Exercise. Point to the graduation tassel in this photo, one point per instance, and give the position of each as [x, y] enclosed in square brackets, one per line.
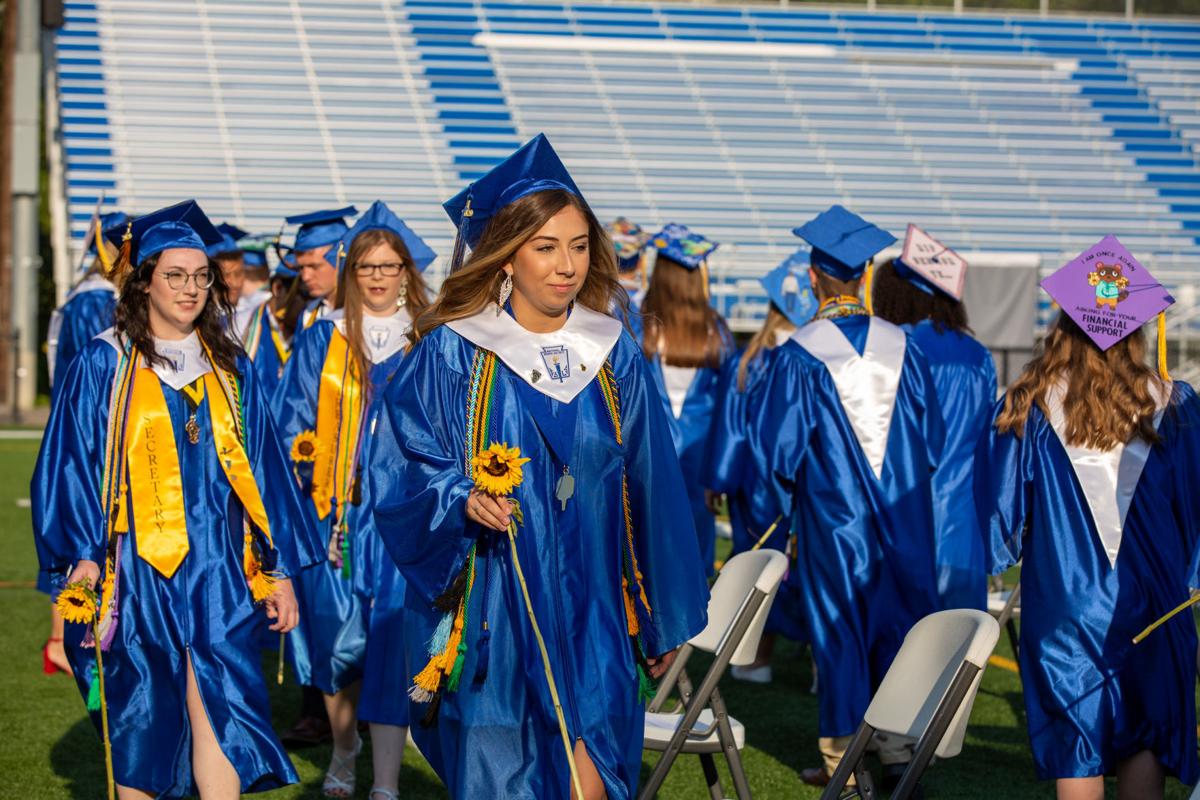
[868, 280]
[1162, 346]
[1186, 604]
[460, 240]
[763, 539]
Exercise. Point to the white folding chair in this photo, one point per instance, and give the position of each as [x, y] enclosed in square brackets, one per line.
[926, 697]
[737, 611]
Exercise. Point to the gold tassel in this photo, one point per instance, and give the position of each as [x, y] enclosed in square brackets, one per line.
[631, 620]
[1162, 346]
[868, 280]
[121, 268]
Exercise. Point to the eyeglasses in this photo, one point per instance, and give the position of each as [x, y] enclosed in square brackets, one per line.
[179, 280]
[386, 270]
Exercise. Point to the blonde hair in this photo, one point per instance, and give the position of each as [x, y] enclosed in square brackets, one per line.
[678, 316]
[350, 299]
[470, 289]
[763, 340]
[1108, 400]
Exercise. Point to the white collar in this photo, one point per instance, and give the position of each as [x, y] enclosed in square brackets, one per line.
[383, 336]
[185, 358]
[867, 385]
[558, 364]
[678, 382]
[1108, 478]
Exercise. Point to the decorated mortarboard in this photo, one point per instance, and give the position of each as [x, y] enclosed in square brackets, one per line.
[535, 167]
[117, 220]
[1107, 292]
[183, 225]
[320, 228]
[380, 217]
[842, 242]
[629, 239]
[929, 265]
[790, 290]
[682, 246]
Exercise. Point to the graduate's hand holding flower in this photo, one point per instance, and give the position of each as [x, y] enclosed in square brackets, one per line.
[660, 665]
[85, 570]
[490, 512]
[282, 606]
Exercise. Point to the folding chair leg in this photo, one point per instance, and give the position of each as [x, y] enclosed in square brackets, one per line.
[942, 717]
[711, 777]
[1006, 617]
[729, 745]
[849, 763]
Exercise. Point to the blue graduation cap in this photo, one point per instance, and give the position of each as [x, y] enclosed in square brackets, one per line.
[683, 246]
[842, 242]
[320, 228]
[183, 225]
[535, 167]
[380, 217]
[230, 235]
[117, 220]
[790, 290]
[286, 268]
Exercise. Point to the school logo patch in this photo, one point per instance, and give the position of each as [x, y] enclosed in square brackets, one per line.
[557, 361]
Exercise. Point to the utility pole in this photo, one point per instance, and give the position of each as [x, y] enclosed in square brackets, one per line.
[24, 259]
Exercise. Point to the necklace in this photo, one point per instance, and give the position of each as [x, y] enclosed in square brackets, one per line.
[195, 395]
[843, 305]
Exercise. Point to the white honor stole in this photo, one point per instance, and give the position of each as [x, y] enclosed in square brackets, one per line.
[559, 364]
[383, 336]
[1108, 478]
[866, 384]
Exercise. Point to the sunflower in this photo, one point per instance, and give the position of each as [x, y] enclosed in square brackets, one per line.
[305, 446]
[498, 469]
[77, 603]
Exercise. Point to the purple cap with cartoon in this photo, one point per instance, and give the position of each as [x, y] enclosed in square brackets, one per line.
[1107, 292]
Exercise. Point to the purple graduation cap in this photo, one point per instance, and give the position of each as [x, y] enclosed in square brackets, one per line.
[1107, 292]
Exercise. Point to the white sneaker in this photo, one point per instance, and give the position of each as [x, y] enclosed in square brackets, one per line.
[752, 674]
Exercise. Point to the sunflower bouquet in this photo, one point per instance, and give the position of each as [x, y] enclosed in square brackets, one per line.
[497, 471]
[78, 603]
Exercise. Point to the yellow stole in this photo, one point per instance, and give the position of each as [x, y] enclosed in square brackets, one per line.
[153, 465]
[340, 403]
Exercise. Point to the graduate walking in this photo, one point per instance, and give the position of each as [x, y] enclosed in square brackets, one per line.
[524, 403]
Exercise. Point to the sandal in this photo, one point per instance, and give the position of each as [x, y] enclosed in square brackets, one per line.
[50, 664]
[385, 794]
[335, 786]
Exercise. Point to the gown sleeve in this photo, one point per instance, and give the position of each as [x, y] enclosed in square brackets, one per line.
[663, 532]
[933, 426]
[68, 518]
[417, 470]
[778, 430]
[1004, 490]
[727, 459]
[296, 542]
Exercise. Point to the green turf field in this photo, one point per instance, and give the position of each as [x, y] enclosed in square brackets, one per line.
[50, 750]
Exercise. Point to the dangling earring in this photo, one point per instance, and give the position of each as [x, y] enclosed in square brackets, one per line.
[505, 293]
[402, 299]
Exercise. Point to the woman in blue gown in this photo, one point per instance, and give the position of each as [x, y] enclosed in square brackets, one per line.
[729, 465]
[272, 325]
[520, 349]
[352, 617]
[1088, 476]
[964, 375]
[687, 342]
[183, 520]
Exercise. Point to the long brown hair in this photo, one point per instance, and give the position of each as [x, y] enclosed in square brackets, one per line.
[1108, 399]
[899, 302]
[131, 319]
[677, 313]
[468, 290]
[763, 340]
[350, 299]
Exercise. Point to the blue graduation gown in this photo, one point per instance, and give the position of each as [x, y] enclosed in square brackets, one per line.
[729, 469]
[328, 646]
[1092, 698]
[865, 544]
[964, 375]
[87, 311]
[205, 609]
[691, 432]
[268, 362]
[501, 738]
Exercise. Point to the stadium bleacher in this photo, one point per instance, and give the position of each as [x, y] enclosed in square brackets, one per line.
[995, 132]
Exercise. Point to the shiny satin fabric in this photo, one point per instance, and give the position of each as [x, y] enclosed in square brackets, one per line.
[865, 544]
[264, 351]
[1092, 698]
[204, 610]
[83, 316]
[964, 375]
[328, 646]
[691, 432]
[501, 739]
[729, 469]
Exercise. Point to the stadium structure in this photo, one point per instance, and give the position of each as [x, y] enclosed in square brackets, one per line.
[1020, 138]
